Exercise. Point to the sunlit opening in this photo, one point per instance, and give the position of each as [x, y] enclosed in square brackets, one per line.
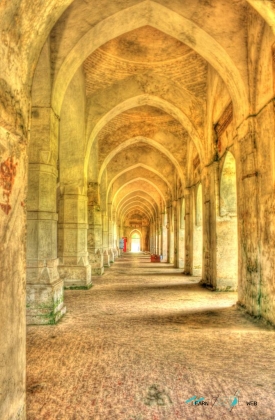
[135, 242]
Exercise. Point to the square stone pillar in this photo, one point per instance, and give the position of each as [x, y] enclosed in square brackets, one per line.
[171, 237]
[74, 267]
[152, 238]
[197, 228]
[180, 244]
[164, 236]
[158, 233]
[95, 239]
[226, 233]
[44, 286]
[115, 235]
[176, 233]
[106, 258]
[111, 234]
[105, 240]
[210, 209]
[248, 197]
[188, 232]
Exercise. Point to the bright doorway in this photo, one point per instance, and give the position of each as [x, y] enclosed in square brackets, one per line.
[135, 242]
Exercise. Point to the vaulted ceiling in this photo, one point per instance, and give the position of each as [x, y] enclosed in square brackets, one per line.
[152, 73]
[121, 150]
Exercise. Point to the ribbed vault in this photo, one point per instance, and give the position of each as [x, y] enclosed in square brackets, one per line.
[123, 115]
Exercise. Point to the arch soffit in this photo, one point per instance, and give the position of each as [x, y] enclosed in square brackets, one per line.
[123, 201]
[167, 21]
[144, 213]
[196, 190]
[125, 208]
[138, 165]
[174, 93]
[140, 179]
[139, 194]
[135, 205]
[149, 215]
[152, 204]
[150, 100]
[141, 139]
[141, 203]
[266, 9]
[136, 230]
[226, 158]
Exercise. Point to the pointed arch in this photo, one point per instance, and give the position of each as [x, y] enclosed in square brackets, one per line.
[138, 165]
[141, 179]
[140, 139]
[167, 21]
[228, 186]
[141, 100]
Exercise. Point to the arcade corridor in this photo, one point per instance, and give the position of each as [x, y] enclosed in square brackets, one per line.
[143, 341]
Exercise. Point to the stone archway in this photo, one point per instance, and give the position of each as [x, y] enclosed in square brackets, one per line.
[197, 232]
[135, 241]
[227, 227]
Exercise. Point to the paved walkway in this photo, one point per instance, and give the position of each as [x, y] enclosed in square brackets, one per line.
[143, 341]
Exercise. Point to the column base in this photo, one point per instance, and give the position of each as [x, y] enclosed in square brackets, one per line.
[106, 259]
[111, 256]
[96, 262]
[98, 271]
[220, 286]
[226, 285]
[197, 272]
[45, 303]
[75, 277]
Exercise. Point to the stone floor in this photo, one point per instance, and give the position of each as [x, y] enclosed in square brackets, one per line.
[143, 341]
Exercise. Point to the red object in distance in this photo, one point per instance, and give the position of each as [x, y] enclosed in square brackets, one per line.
[125, 244]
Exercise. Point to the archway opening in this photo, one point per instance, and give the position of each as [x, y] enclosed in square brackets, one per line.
[135, 242]
[198, 235]
[227, 230]
[181, 234]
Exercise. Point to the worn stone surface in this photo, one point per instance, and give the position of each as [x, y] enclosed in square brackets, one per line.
[114, 114]
[142, 342]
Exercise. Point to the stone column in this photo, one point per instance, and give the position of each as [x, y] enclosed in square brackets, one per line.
[152, 237]
[180, 256]
[164, 236]
[120, 234]
[143, 238]
[95, 231]
[171, 253]
[115, 239]
[157, 237]
[161, 233]
[197, 236]
[176, 233]
[210, 208]
[74, 266]
[226, 243]
[110, 234]
[249, 288]
[44, 286]
[188, 232]
[105, 240]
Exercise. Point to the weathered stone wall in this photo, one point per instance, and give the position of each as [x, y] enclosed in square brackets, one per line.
[72, 133]
[129, 100]
[13, 176]
[20, 48]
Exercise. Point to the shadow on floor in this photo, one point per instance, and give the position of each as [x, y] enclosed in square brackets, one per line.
[230, 318]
